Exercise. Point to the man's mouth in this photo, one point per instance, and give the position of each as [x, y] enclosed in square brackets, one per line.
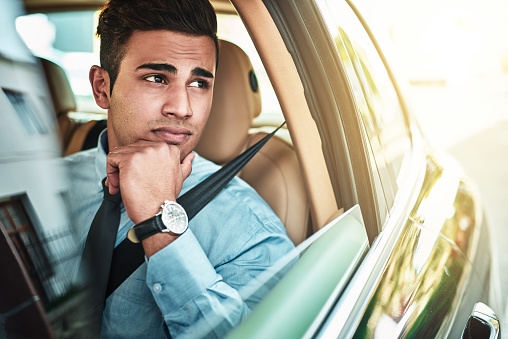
[172, 135]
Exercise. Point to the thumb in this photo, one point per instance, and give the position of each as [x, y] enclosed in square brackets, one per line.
[186, 164]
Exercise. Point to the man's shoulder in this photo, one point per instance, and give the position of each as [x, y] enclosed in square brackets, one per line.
[81, 166]
[81, 158]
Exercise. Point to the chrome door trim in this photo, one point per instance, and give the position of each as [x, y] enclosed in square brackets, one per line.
[487, 317]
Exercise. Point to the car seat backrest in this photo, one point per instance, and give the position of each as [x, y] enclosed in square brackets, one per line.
[74, 136]
[62, 97]
[274, 172]
[236, 101]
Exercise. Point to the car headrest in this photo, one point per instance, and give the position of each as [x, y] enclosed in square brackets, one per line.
[59, 87]
[236, 102]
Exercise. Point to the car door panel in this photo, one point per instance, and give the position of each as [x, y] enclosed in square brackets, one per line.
[421, 290]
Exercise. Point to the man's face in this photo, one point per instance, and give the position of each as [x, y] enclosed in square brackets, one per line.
[163, 91]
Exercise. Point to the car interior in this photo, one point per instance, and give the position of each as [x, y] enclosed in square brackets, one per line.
[280, 173]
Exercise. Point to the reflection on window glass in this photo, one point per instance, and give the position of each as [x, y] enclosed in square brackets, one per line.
[42, 261]
[22, 234]
[26, 112]
[375, 96]
[66, 38]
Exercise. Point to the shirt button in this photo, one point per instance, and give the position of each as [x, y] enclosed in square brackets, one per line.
[157, 288]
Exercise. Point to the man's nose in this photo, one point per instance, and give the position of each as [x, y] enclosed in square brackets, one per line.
[178, 103]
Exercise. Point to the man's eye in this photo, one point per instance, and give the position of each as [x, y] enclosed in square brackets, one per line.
[156, 78]
[199, 84]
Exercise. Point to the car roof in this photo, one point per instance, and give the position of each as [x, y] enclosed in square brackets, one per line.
[41, 6]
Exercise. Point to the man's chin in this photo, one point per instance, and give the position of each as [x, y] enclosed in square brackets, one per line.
[185, 150]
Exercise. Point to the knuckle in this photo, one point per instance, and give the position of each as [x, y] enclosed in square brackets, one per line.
[160, 148]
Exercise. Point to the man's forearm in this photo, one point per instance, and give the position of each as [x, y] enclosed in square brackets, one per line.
[190, 294]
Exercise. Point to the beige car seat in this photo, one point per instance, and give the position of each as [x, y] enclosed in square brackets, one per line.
[73, 134]
[62, 97]
[274, 172]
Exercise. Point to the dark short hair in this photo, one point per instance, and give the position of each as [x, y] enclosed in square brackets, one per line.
[120, 18]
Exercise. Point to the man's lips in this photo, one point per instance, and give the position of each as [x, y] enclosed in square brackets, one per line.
[172, 135]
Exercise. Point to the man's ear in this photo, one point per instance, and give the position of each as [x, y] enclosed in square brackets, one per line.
[99, 79]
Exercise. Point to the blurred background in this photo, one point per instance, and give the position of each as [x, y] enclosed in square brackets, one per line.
[452, 57]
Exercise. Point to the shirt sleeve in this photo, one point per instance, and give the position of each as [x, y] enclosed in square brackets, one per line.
[193, 297]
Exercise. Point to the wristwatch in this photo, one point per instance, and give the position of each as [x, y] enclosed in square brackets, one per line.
[172, 219]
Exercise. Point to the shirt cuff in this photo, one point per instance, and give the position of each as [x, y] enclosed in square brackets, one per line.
[179, 272]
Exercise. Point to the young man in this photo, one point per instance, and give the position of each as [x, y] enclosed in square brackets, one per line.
[158, 62]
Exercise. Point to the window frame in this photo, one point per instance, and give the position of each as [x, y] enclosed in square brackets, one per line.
[330, 100]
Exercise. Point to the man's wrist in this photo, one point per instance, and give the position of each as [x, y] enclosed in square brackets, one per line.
[157, 242]
[171, 219]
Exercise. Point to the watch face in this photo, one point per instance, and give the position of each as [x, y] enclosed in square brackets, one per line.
[174, 217]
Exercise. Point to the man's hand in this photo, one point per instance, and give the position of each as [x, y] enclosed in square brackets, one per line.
[147, 174]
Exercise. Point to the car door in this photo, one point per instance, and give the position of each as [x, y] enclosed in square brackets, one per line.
[421, 215]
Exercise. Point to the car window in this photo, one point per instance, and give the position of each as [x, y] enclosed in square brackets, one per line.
[68, 39]
[309, 279]
[376, 98]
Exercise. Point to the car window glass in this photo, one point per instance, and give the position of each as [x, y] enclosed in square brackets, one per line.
[68, 39]
[309, 278]
[379, 172]
[375, 95]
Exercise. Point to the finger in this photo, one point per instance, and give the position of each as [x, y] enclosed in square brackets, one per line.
[109, 186]
[113, 188]
[113, 174]
[135, 146]
[186, 164]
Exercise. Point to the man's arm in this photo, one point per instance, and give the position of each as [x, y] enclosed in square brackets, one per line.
[193, 295]
[197, 297]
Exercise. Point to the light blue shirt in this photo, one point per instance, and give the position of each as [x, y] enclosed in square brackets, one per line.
[191, 286]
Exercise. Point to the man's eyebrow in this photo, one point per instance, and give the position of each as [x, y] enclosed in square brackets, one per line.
[198, 71]
[159, 67]
[201, 72]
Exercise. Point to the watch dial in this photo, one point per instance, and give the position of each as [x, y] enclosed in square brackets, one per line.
[175, 219]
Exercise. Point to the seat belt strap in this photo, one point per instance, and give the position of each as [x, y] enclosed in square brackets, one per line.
[128, 256]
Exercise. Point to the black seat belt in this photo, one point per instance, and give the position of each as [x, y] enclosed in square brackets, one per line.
[128, 256]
